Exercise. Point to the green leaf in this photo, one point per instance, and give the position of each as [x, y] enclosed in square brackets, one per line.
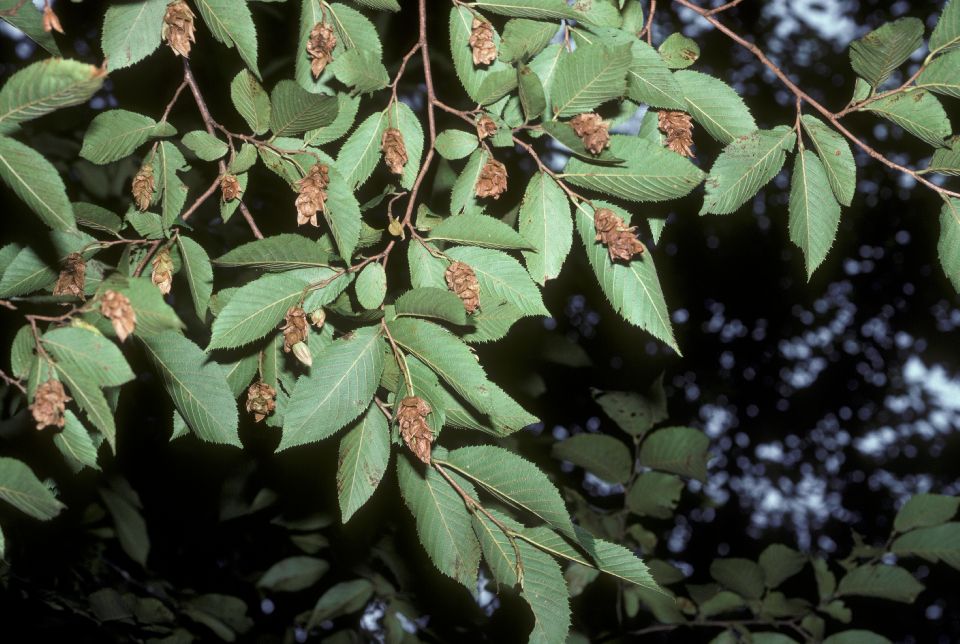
[544, 9]
[277, 253]
[360, 69]
[533, 99]
[545, 222]
[22, 352]
[342, 599]
[925, 510]
[240, 373]
[256, 308]
[918, 112]
[432, 302]
[347, 107]
[834, 152]
[744, 167]
[295, 110]
[198, 387]
[941, 76]
[131, 32]
[856, 636]
[293, 574]
[93, 216]
[633, 289]
[364, 455]
[147, 224]
[678, 51]
[650, 172]
[946, 35]
[342, 213]
[472, 78]
[497, 548]
[512, 480]
[501, 279]
[230, 22]
[780, 563]
[29, 20]
[602, 455]
[75, 444]
[742, 576]
[884, 582]
[88, 353]
[36, 182]
[544, 65]
[196, 268]
[949, 245]
[371, 286]
[45, 86]
[456, 144]
[361, 151]
[23, 490]
[654, 494]
[169, 161]
[678, 450]
[131, 529]
[463, 197]
[87, 394]
[545, 591]
[715, 106]
[382, 5]
[524, 38]
[154, 316]
[564, 133]
[947, 160]
[251, 101]
[935, 544]
[634, 413]
[443, 522]
[28, 272]
[402, 117]
[478, 230]
[449, 358]
[878, 54]
[650, 81]
[814, 212]
[588, 77]
[115, 134]
[339, 388]
[206, 146]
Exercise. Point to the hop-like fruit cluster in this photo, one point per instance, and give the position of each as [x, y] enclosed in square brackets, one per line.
[678, 126]
[261, 400]
[486, 127]
[313, 194]
[72, 276]
[320, 46]
[592, 130]
[294, 328]
[49, 404]
[142, 186]
[116, 307]
[481, 42]
[463, 282]
[230, 187]
[178, 29]
[50, 20]
[162, 274]
[621, 241]
[394, 150]
[492, 181]
[412, 418]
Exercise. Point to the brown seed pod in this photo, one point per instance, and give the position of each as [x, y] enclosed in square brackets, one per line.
[462, 280]
[486, 127]
[481, 42]
[116, 307]
[142, 186]
[294, 328]
[394, 150]
[72, 276]
[320, 46]
[592, 130]
[49, 404]
[261, 400]
[313, 194]
[621, 241]
[230, 187]
[412, 418]
[492, 181]
[162, 274]
[178, 29]
[678, 126]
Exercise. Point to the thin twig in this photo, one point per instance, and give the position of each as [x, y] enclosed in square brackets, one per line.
[723, 7]
[11, 381]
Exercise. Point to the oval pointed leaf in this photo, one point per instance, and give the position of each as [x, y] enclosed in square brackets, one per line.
[20, 487]
[814, 212]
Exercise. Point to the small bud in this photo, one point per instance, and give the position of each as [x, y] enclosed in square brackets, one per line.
[302, 353]
[230, 187]
[162, 275]
[72, 276]
[49, 404]
[178, 28]
[313, 194]
[318, 318]
[50, 20]
[142, 187]
[394, 150]
[492, 181]
[320, 46]
[116, 307]
[483, 48]
[395, 228]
